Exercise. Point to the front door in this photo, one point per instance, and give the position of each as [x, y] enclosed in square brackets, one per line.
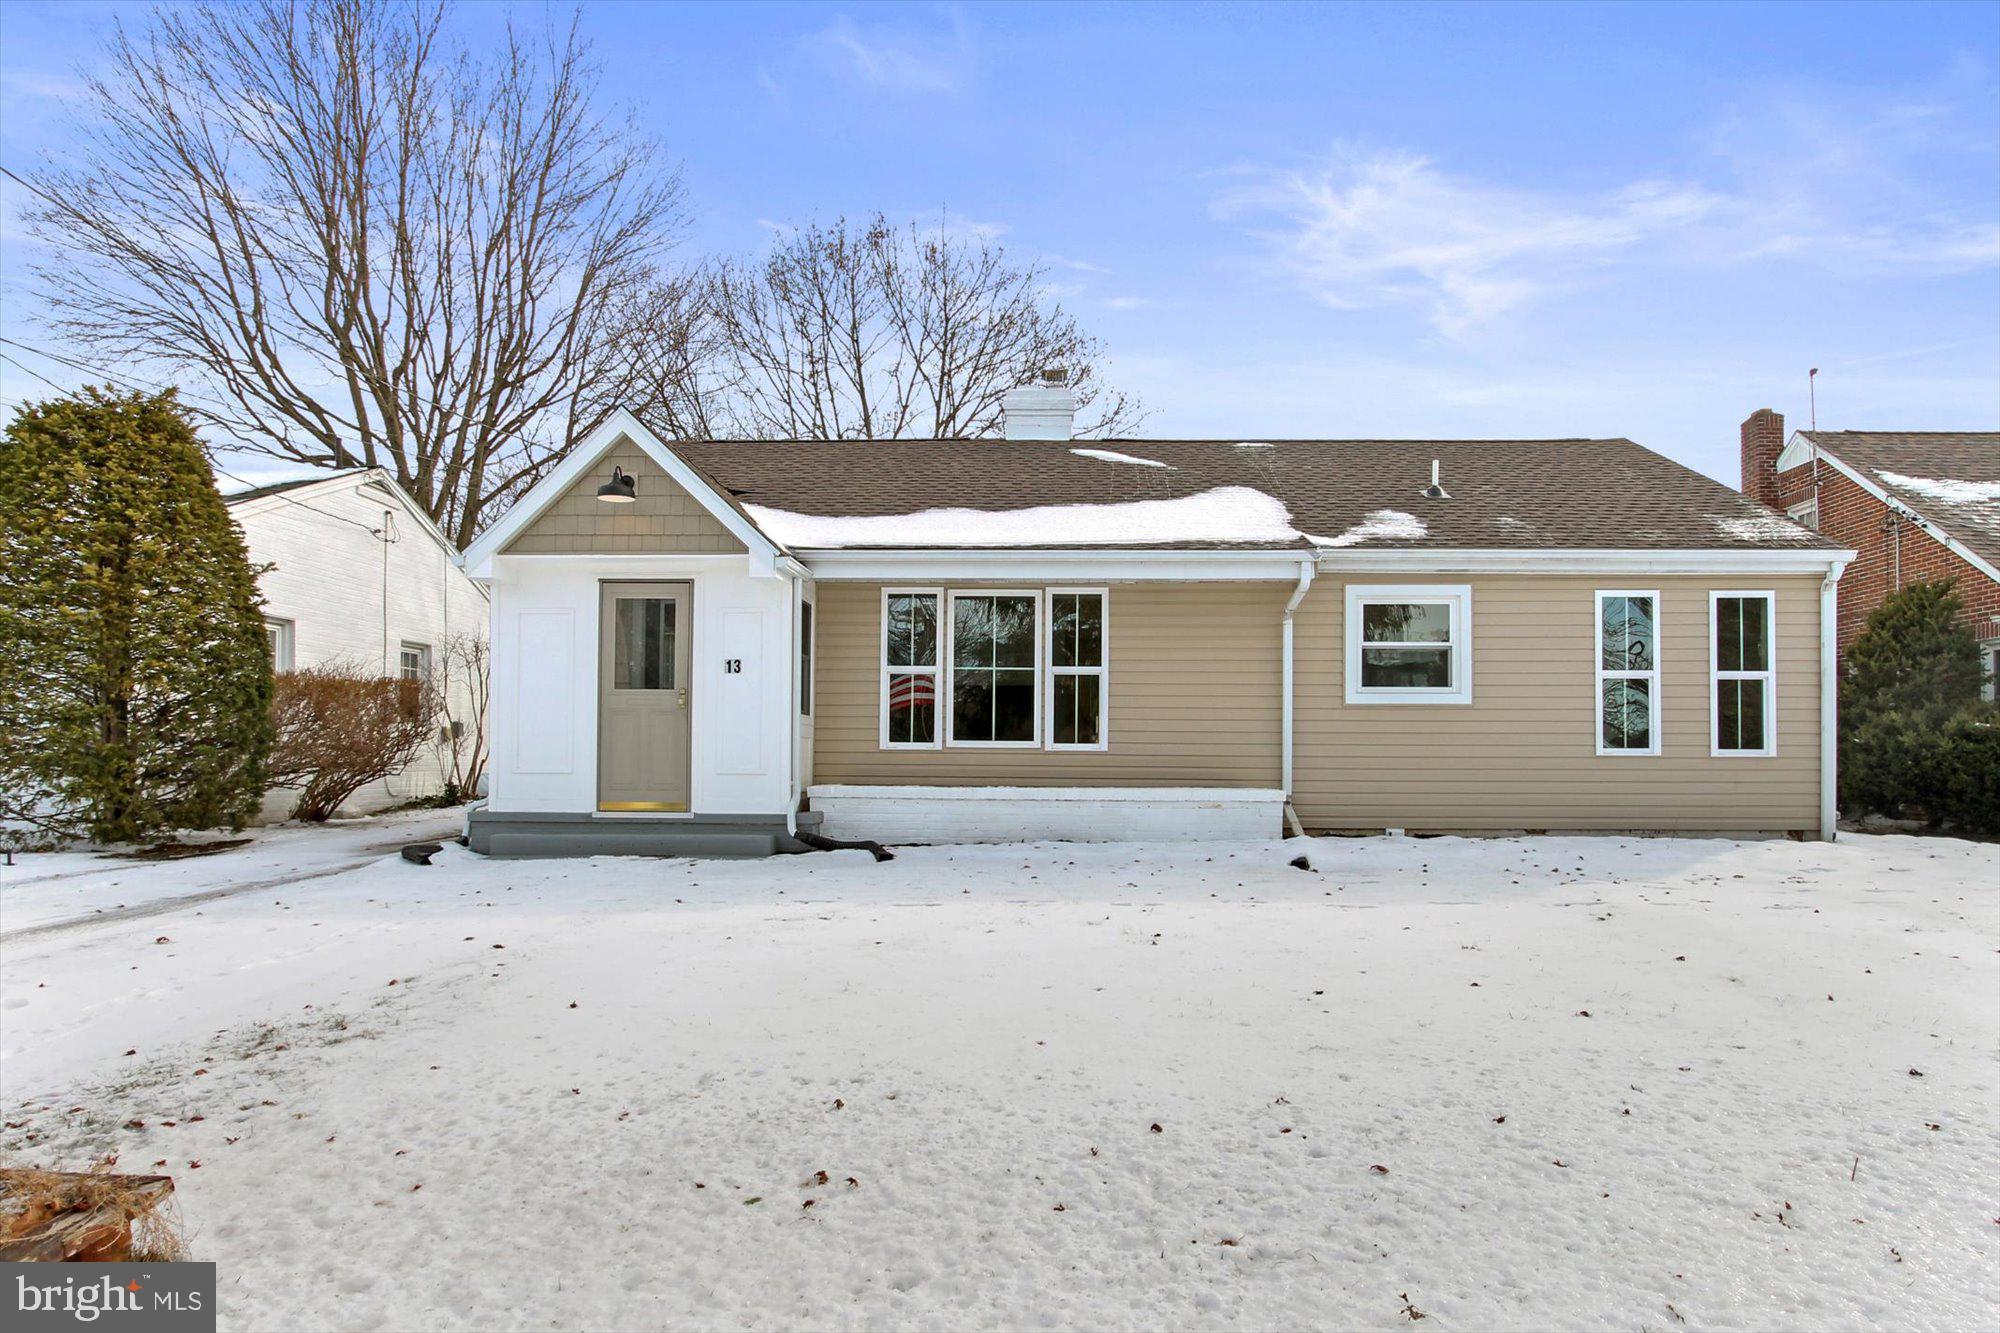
[642, 696]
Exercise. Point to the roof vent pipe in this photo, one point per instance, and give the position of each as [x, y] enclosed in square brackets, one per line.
[1436, 490]
[1043, 411]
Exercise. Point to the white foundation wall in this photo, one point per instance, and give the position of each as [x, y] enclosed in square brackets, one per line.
[1048, 814]
[545, 681]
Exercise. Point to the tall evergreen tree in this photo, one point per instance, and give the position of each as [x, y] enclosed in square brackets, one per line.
[135, 680]
[1910, 673]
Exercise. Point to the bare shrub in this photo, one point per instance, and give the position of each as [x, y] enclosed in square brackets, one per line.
[337, 730]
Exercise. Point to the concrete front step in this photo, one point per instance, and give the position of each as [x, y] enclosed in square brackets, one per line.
[546, 835]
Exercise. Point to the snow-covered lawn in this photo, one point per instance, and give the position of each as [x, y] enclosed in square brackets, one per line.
[1545, 1083]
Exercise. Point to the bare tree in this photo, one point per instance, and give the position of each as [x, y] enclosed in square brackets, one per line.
[353, 243]
[465, 693]
[873, 331]
[337, 728]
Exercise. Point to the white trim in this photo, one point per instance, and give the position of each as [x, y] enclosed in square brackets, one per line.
[1306, 570]
[282, 634]
[1102, 671]
[1455, 596]
[1651, 676]
[948, 637]
[935, 671]
[1127, 565]
[1805, 513]
[1417, 560]
[1769, 676]
[1829, 703]
[585, 456]
[1929, 526]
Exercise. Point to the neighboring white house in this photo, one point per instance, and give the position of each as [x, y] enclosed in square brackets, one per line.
[359, 576]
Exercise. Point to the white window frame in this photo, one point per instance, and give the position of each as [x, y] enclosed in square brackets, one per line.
[1457, 596]
[282, 636]
[1769, 676]
[808, 664]
[1989, 664]
[935, 671]
[1805, 512]
[1102, 670]
[1603, 674]
[424, 659]
[949, 649]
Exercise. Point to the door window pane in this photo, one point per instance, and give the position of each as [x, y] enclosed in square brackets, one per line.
[993, 668]
[642, 644]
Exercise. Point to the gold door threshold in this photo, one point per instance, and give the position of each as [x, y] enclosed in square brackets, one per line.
[627, 807]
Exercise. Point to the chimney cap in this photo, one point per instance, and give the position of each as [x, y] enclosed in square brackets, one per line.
[1056, 375]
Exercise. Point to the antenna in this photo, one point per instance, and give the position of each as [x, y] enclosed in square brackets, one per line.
[1812, 396]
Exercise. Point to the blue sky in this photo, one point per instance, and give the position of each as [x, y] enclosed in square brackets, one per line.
[1350, 220]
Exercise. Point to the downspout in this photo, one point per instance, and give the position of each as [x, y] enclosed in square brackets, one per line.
[1306, 570]
[792, 707]
[1829, 701]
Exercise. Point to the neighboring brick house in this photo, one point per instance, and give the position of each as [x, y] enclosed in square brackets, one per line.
[1916, 505]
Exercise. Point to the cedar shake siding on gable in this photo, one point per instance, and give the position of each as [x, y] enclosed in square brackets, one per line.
[664, 518]
[1194, 686]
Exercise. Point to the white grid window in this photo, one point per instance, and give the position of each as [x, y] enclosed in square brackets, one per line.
[1628, 673]
[1409, 643]
[910, 640]
[993, 682]
[1078, 649]
[1743, 712]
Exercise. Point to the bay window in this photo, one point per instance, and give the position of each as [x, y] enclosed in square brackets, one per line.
[1409, 644]
[1743, 715]
[1628, 673]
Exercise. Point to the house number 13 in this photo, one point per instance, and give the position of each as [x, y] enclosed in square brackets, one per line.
[732, 666]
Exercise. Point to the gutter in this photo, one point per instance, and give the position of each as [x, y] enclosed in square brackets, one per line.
[1829, 700]
[1307, 568]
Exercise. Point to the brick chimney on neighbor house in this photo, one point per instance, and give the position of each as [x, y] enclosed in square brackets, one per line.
[1763, 441]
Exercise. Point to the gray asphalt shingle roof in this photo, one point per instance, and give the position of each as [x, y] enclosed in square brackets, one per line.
[1521, 494]
[1952, 478]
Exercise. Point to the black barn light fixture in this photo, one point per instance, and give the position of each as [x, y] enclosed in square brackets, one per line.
[620, 490]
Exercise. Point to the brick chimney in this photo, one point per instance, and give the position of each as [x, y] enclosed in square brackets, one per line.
[1763, 441]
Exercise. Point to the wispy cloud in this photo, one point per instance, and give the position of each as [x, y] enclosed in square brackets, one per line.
[1799, 183]
[898, 59]
[1370, 229]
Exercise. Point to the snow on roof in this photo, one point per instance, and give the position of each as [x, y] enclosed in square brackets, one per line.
[1113, 456]
[1763, 528]
[1381, 525]
[1226, 514]
[1947, 490]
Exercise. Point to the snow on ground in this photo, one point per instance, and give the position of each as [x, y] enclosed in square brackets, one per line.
[44, 889]
[597, 1093]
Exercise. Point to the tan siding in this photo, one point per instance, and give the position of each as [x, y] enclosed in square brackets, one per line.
[1521, 755]
[1195, 674]
[1194, 696]
[664, 517]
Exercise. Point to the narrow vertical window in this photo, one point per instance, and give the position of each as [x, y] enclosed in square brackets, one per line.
[1076, 669]
[1743, 711]
[910, 668]
[278, 633]
[993, 668]
[805, 659]
[1628, 673]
